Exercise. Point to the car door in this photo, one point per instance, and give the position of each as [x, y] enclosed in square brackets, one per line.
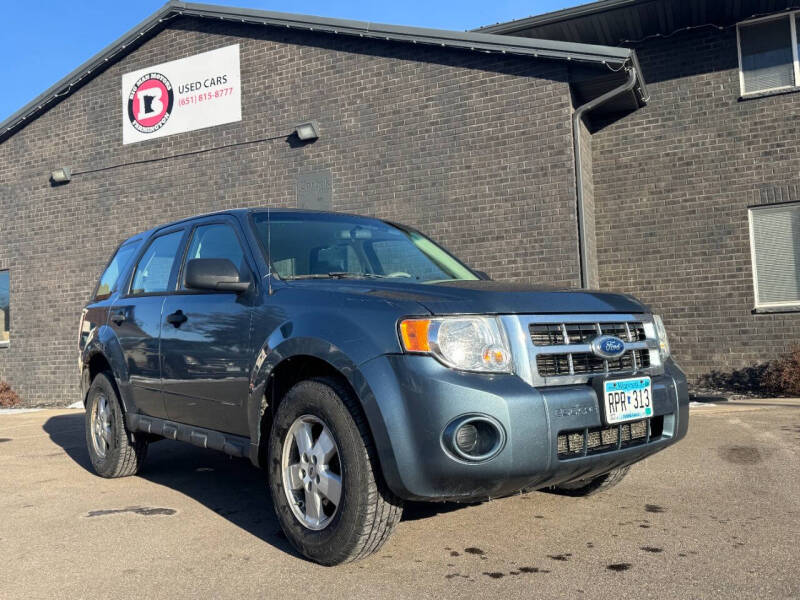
[136, 318]
[206, 349]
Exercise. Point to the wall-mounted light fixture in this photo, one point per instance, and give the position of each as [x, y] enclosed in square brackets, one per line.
[62, 175]
[307, 132]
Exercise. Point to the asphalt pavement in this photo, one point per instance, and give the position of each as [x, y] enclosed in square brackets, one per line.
[716, 516]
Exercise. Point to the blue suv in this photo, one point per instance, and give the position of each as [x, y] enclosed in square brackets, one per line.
[360, 364]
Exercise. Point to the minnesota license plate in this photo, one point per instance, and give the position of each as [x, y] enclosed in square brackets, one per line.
[627, 399]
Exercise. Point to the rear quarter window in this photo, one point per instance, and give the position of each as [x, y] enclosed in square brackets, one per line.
[108, 280]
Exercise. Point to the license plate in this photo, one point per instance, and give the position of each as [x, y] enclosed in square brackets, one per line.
[627, 399]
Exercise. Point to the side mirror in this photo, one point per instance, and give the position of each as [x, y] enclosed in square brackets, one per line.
[482, 274]
[217, 274]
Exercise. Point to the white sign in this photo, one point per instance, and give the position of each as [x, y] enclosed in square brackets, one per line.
[183, 95]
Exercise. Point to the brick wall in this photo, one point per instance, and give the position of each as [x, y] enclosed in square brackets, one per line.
[672, 184]
[473, 149]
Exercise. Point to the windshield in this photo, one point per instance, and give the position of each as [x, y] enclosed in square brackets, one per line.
[320, 245]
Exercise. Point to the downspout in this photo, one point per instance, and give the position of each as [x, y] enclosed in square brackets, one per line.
[576, 144]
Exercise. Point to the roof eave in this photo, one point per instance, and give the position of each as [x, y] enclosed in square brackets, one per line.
[474, 41]
[556, 16]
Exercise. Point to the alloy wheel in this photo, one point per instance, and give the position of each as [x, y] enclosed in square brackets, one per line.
[101, 426]
[312, 472]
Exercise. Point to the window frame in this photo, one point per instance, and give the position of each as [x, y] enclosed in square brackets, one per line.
[791, 15]
[757, 304]
[7, 343]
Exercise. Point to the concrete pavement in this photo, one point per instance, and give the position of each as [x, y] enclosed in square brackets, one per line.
[716, 516]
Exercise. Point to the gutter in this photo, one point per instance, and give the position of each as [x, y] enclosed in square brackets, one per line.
[629, 84]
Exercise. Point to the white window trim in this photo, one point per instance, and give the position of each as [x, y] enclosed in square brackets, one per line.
[793, 37]
[758, 304]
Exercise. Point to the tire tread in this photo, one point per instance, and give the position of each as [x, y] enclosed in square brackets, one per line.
[128, 456]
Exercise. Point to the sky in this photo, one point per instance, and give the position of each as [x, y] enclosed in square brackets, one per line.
[44, 40]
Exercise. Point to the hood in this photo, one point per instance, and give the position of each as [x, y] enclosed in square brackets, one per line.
[485, 297]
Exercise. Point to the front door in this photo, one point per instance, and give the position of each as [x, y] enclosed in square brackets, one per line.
[136, 319]
[206, 341]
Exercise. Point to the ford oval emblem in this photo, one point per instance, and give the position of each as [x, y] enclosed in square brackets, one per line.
[608, 346]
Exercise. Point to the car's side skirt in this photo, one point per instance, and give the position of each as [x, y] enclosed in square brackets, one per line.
[232, 445]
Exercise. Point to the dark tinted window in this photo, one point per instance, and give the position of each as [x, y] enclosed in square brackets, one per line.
[109, 278]
[154, 268]
[217, 241]
[5, 315]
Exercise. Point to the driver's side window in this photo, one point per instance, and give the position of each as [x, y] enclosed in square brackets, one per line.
[216, 240]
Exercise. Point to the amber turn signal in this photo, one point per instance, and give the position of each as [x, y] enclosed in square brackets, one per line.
[414, 334]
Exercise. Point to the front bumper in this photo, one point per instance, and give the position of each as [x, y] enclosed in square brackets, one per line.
[410, 400]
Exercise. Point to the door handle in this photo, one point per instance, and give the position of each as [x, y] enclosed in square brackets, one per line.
[177, 318]
[118, 318]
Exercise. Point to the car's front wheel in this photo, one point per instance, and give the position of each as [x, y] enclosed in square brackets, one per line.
[114, 452]
[328, 492]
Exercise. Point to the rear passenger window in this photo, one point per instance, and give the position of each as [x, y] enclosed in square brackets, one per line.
[108, 280]
[217, 241]
[155, 266]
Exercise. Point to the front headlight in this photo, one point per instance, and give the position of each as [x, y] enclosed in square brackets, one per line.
[465, 343]
[663, 341]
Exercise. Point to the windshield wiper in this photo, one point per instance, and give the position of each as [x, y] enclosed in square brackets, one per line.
[337, 275]
[346, 275]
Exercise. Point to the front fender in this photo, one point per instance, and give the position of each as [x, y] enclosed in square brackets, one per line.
[276, 350]
[341, 330]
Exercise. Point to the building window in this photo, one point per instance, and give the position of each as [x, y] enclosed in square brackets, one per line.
[775, 249]
[5, 315]
[768, 54]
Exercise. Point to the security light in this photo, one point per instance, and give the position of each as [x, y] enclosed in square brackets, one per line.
[307, 131]
[62, 175]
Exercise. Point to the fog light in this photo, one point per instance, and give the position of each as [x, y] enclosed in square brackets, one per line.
[467, 438]
[474, 438]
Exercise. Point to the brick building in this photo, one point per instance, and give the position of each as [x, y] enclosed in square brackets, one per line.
[696, 195]
[534, 150]
[466, 136]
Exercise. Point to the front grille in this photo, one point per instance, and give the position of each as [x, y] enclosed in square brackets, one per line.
[556, 334]
[596, 440]
[583, 363]
[550, 364]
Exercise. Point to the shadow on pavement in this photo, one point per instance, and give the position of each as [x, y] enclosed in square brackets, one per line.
[231, 487]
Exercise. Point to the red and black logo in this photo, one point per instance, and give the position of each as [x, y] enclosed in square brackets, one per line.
[150, 102]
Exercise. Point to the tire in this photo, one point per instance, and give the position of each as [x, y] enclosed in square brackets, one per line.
[115, 452]
[366, 512]
[595, 485]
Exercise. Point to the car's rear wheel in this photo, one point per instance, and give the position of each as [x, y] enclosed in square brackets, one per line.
[588, 487]
[328, 492]
[113, 451]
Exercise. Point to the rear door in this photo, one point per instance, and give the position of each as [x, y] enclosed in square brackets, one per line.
[206, 345]
[136, 317]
